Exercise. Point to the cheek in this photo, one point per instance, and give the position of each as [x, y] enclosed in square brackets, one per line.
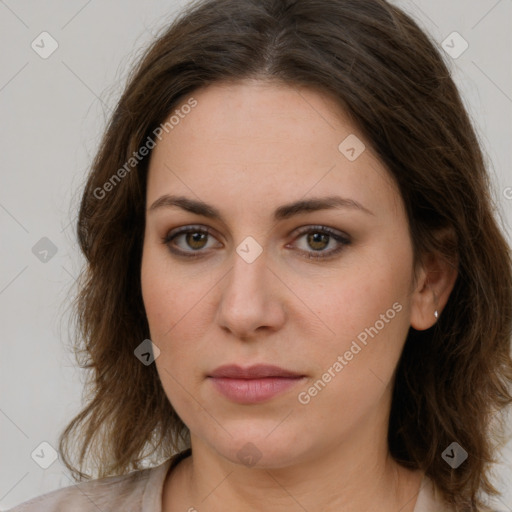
[367, 308]
[170, 316]
[166, 293]
[175, 308]
[357, 298]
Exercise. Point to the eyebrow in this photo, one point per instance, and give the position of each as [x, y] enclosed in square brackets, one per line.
[283, 212]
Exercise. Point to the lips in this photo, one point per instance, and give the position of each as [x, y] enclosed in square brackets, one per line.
[259, 371]
[254, 384]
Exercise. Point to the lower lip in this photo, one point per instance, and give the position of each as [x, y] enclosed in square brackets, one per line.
[250, 391]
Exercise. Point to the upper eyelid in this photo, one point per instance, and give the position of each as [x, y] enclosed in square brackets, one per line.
[340, 237]
[300, 230]
[342, 241]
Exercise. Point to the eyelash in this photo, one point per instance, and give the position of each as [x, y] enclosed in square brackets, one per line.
[342, 240]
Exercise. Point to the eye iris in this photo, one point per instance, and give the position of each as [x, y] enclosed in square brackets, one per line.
[196, 237]
[316, 238]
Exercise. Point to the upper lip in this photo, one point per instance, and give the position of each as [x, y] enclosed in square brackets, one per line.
[258, 371]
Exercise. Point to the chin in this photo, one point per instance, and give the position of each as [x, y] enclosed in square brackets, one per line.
[260, 448]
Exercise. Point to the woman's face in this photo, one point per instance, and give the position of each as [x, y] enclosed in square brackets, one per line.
[321, 289]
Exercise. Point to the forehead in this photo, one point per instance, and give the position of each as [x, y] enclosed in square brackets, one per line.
[266, 142]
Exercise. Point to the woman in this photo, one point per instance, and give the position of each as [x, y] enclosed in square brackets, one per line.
[296, 297]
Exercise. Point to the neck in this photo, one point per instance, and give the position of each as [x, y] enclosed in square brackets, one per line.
[351, 477]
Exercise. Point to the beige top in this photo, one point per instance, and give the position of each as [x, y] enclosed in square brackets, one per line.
[141, 491]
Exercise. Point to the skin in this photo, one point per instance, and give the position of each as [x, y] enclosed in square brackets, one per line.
[247, 148]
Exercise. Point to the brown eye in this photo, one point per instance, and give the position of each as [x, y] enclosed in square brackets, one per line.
[318, 239]
[193, 240]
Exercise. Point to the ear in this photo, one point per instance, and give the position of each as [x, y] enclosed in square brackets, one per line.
[435, 281]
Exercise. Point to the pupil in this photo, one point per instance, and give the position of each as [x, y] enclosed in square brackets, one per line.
[317, 238]
[196, 237]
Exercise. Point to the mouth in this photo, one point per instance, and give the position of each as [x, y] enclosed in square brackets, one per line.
[254, 384]
[258, 371]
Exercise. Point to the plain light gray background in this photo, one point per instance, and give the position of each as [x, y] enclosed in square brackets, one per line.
[53, 111]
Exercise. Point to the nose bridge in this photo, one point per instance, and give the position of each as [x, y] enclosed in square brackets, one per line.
[246, 301]
[248, 274]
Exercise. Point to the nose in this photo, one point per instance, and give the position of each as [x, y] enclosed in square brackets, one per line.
[252, 299]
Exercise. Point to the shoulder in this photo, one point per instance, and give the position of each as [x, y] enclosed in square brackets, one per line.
[429, 498]
[135, 492]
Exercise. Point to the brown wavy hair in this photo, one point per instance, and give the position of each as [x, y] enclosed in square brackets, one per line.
[452, 380]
